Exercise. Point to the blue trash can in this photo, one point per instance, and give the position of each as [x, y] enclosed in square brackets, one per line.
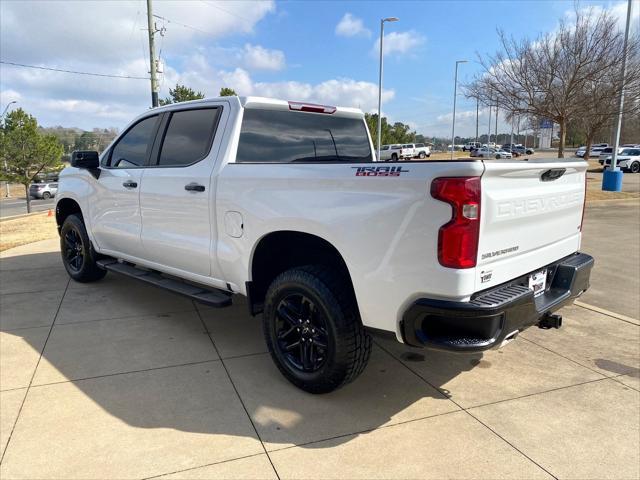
[612, 180]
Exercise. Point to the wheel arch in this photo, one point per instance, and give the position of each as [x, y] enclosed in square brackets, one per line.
[65, 207]
[280, 250]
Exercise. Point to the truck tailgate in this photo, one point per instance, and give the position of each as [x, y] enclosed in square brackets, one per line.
[531, 215]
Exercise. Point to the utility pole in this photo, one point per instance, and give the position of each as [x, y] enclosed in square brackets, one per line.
[382, 20]
[152, 56]
[455, 93]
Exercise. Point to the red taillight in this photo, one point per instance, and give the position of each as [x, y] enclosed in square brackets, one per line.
[311, 107]
[458, 239]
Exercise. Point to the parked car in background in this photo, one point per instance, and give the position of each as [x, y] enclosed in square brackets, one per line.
[511, 148]
[395, 152]
[408, 150]
[628, 159]
[607, 152]
[595, 150]
[471, 146]
[522, 150]
[420, 150]
[43, 190]
[486, 152]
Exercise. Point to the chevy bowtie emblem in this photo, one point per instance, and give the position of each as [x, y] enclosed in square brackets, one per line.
[552, 174]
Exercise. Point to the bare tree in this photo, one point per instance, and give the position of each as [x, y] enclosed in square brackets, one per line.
[600, 95]
[547, 77]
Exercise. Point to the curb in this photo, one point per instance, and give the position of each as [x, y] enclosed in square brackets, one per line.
[609, 313]
[609, 200]
[22, 215]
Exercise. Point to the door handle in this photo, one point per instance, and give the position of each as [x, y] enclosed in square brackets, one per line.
[129, 184]
[194, 187]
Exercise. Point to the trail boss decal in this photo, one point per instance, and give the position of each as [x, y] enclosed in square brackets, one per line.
[379, 171]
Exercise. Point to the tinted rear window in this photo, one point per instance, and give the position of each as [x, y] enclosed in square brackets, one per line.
[280, 136]
[188, 136]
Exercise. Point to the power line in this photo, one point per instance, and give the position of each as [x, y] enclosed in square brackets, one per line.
[72, 71]
[220, 8]
[183, 25]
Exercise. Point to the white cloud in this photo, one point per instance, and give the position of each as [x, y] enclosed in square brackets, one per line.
[256, 57]
[398, 42]
[67, 39]
[350, 26]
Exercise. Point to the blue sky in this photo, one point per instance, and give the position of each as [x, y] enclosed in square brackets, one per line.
[305, 50]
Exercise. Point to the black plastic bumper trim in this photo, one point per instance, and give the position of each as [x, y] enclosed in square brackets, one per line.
[490, 316]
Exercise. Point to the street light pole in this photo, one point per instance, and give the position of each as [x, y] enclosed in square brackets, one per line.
[455, 93]
[477, 112]
[612, 176]
[382, 20]
[6, 168]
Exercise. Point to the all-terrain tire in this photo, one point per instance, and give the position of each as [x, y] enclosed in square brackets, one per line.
[78, 256]
[348, 344]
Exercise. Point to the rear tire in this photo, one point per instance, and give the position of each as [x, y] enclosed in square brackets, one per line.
[313, 330]
[394, 157]
[78, 256]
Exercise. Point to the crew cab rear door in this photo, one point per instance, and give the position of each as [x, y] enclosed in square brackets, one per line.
[178, 192]
[531, 215]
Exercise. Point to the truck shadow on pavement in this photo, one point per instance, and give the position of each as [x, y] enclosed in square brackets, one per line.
[150, 359]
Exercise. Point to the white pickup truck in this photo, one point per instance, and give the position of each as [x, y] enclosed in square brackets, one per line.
[281, 202]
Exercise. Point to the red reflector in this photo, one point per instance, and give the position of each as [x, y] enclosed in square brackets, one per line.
[458, 238]
[311, 107]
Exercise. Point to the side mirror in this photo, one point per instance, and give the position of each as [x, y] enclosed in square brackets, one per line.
[85, 159]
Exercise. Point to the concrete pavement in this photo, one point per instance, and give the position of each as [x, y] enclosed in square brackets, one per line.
[612, 235]
[121, 380]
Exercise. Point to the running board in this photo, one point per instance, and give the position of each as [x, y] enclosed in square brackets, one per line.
[209, 296]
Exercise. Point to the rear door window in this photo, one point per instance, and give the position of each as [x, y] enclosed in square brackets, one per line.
[188, 137]
[282, 136]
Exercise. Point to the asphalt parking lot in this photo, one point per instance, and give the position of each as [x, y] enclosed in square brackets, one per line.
[121, 380]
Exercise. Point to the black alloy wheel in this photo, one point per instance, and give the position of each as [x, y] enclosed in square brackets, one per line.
[301, 333]
[78, 256]
[74, 250]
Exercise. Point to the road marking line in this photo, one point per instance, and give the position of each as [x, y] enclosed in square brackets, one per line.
[609, 313]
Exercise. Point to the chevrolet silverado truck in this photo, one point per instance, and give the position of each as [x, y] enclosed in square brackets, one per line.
[282, 202]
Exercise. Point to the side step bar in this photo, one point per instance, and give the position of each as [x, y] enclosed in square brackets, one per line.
[209, 296]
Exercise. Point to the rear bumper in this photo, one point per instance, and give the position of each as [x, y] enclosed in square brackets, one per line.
[496, 315]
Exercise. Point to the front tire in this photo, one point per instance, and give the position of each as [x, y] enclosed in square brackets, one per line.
[422, 155]
[635, 167]
[46, 196]
[394, 157]
[313, 330]
[78, 256]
